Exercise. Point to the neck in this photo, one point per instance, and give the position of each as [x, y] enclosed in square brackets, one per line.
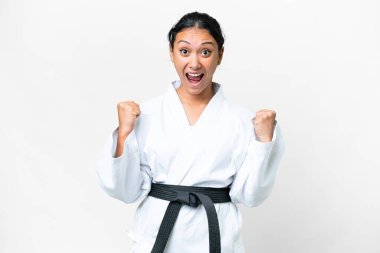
[195, 99]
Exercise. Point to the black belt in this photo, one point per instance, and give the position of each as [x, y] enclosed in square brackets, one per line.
[191, 196]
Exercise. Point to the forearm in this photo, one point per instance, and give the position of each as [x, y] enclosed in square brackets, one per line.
[120, 143]
[119, 147]
[255, 178]
[121, 177]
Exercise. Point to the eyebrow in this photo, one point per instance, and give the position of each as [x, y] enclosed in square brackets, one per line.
[206, 42]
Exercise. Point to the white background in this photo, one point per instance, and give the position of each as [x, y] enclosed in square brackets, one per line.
[65, 64]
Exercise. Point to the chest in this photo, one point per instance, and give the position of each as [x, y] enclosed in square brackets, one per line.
[193, 113]
[167, 141]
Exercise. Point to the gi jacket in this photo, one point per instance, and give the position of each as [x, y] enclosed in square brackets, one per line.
[220, 150]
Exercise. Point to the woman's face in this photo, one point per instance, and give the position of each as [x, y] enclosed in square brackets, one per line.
[195, 56]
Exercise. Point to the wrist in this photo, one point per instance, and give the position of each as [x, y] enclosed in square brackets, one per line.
[264, 139]
[123, 134]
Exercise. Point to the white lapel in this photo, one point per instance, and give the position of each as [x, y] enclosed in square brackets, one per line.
[191, 137]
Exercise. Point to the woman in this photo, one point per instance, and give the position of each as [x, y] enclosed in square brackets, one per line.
[190, 154]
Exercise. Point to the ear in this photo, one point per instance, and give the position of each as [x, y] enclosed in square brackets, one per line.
[171, 53]
[221, 51]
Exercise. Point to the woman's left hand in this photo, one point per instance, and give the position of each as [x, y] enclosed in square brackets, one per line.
[264, 124]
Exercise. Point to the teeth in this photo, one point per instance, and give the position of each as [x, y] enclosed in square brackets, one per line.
[194, 74]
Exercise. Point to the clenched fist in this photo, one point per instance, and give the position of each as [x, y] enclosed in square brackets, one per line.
[128, 112]
[264, 124]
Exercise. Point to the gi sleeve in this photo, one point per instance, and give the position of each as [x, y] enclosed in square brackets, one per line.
[255, 178]
[123, 178]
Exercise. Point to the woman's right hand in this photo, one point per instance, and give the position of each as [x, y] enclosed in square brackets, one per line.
[127, 111]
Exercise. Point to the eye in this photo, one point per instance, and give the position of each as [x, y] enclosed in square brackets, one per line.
[183, 51]
[206, 52]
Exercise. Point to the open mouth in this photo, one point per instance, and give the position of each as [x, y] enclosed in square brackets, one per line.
[194, 77]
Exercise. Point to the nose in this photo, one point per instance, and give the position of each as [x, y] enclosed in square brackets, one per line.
[194, 62]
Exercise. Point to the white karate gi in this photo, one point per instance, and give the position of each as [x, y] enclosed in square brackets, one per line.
[221, 149]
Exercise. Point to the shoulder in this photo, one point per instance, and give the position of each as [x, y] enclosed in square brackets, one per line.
[150, 106]
[241, 113]
[149, 109]
[238, 118]
[239, 121]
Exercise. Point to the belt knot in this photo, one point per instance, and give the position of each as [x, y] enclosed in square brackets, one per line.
[188, 198]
